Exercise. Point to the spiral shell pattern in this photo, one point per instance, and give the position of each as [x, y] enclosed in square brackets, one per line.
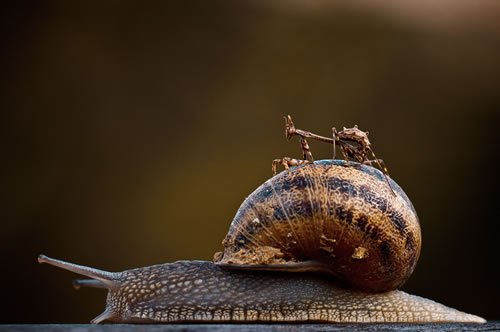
[342, 217]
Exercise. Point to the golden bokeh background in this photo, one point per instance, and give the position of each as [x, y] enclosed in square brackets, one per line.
[133, 130]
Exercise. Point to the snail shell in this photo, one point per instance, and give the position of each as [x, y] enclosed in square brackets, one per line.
[332, 216]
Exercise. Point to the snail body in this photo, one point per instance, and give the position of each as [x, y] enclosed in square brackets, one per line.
[201, 291]
[334, 217]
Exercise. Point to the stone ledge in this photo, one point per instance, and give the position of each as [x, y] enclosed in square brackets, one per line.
[489, 326]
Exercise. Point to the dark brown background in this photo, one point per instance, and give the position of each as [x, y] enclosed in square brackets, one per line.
[134, 130]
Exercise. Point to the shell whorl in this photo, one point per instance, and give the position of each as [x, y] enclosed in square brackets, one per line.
[341, 217]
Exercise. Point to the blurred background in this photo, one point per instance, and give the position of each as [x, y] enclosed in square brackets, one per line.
[134, 130]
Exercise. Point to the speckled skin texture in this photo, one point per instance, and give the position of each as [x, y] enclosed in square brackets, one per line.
[338, 215]
[198, 291]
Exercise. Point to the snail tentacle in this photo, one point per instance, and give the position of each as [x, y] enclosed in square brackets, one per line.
[108, 279]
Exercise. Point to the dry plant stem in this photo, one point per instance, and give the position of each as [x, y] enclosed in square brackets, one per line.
[305, 150]
[358, 152]
[290, 131]
[287, 163]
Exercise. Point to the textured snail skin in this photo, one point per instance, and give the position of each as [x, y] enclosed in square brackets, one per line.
[336, 217]
[200, 291]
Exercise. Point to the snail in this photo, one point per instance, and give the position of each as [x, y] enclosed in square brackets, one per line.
[323, 241]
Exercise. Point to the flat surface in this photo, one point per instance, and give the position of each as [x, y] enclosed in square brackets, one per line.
[489, 326]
